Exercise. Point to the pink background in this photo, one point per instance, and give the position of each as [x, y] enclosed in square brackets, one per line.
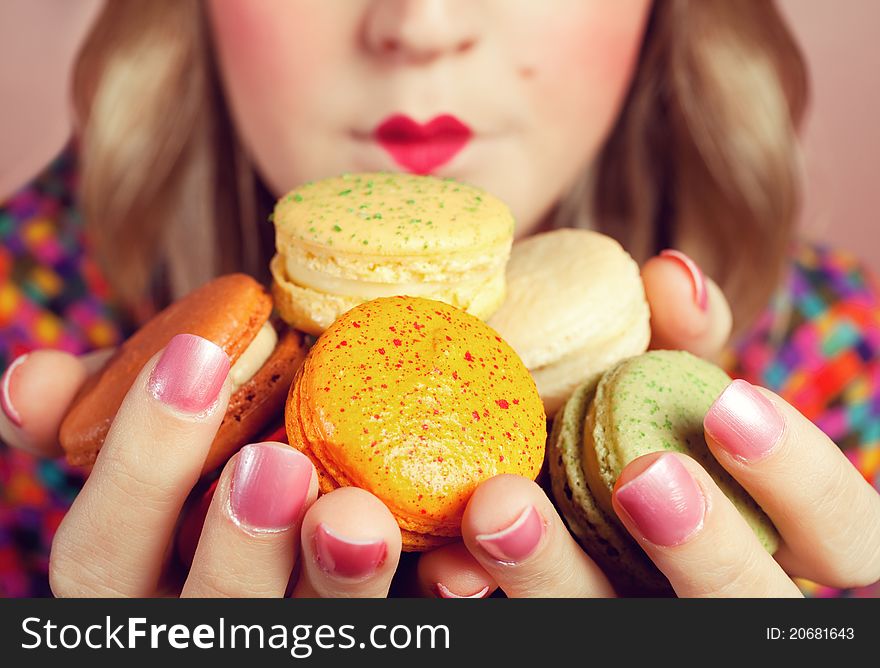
[842, 138]
[842, 144]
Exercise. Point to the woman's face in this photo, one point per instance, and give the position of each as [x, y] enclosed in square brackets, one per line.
[515, 96]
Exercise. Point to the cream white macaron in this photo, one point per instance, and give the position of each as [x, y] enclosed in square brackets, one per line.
[575, 306]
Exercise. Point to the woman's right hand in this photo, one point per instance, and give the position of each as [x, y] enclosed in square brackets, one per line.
[826, 512]
[115, 540]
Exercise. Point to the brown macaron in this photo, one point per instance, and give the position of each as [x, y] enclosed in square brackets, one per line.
[232, 311]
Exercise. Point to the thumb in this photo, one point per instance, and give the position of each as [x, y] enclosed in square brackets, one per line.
[688, 310]
[35, 392]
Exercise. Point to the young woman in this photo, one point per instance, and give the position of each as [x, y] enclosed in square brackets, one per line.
[666, 124]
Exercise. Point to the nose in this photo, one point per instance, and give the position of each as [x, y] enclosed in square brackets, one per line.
[420, 31]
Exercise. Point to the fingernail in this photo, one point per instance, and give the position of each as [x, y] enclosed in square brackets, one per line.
[744, 422]
[664, 502]
[346, 557]
[269, 487]
[701, 293]
[6, 391]
[445, 592]
[189, 374]
[518, 540]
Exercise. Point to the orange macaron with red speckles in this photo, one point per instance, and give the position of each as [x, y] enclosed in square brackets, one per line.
[418, 403]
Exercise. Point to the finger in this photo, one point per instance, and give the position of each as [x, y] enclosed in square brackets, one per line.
[514, 532]
[688, 310]
[826, 512]
[451, 571]
[35, 392]
[250, 536]
[693, 533]
[113, 540]
[350, 547]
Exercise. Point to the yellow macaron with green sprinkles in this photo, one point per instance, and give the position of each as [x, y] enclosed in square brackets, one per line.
[353, 238]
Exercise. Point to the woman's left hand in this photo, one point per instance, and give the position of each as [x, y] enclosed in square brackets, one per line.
[827, 514]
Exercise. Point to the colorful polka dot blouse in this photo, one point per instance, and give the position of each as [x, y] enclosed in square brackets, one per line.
[817, 344]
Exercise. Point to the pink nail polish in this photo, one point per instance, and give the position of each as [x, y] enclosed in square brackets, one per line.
[269, 487]
[701, 293]
[518, 540]
[346, 557]
[444, 592]
[744, 422]
[664, 502]
[190, 373]
[6, 391]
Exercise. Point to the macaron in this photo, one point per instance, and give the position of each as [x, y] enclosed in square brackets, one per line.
[418, 403]
[346, 240]
[649, 403]
[575, 306]
[232, 311]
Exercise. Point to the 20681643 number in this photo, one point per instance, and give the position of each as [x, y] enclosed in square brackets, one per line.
[810, 633]
[819, 633]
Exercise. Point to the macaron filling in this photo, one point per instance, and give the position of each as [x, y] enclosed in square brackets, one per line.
[592, 469]
[556, 380]
[363, 289]
[254, 356]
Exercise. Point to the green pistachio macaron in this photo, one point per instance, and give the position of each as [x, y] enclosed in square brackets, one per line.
[649, 403]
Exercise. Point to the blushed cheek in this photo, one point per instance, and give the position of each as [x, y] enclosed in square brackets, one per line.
[266, 44]
[592, 57]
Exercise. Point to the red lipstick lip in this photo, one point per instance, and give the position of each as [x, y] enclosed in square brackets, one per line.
[422, 147]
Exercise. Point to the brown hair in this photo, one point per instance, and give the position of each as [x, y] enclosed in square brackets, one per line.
[167, 193]
[703, 157]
